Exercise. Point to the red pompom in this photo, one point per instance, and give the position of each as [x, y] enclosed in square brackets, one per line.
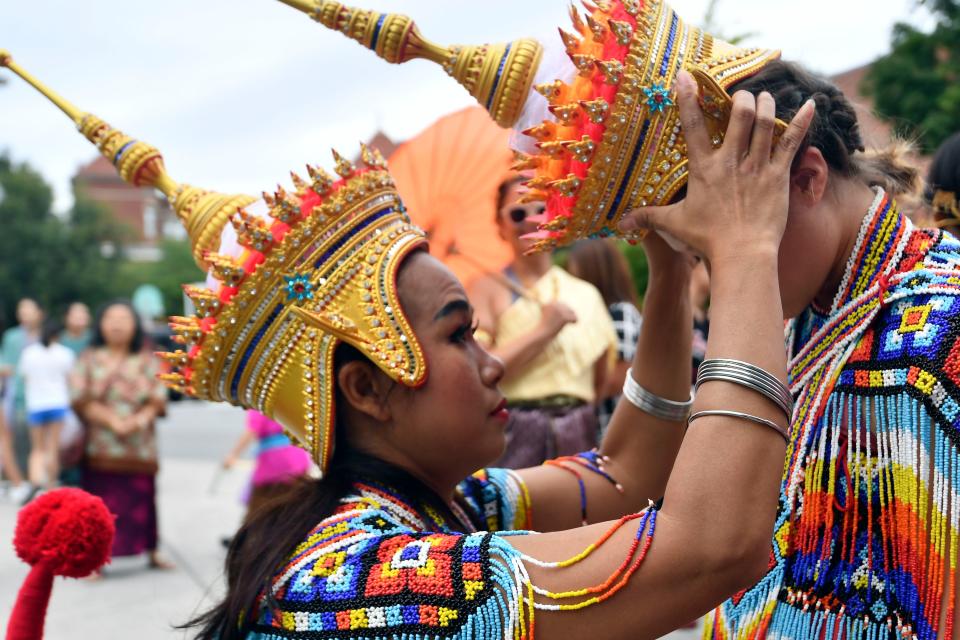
[69, 531]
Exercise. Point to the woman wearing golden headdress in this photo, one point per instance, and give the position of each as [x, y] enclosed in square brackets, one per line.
[365, 351]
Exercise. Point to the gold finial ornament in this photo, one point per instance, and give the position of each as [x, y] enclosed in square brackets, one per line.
[203, 213]
[342, 166]
[498, 76]
[372, 157]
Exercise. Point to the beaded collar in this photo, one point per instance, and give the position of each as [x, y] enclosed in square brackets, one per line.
[416, 514]
[880, 245]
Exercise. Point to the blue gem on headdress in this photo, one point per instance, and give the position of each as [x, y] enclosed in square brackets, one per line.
[658, 97]
[299, 288]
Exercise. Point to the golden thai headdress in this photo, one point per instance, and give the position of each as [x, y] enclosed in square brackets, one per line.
[298, 273]
[606, 138]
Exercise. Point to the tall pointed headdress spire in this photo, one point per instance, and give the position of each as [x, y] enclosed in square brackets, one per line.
[203, 213]
[498, 76]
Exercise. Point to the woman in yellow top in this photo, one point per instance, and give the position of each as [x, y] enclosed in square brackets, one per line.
[555, 337]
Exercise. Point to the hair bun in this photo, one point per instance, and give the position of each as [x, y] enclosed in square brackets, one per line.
[892, 168]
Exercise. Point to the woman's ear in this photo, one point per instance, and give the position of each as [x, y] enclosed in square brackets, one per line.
[809, 178]
[365, 388]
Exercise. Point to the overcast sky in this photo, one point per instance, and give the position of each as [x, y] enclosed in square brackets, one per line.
[235, 93]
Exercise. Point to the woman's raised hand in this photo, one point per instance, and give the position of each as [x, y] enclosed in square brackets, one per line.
[737, 194]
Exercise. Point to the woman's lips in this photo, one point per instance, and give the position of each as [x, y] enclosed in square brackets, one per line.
[501, 412]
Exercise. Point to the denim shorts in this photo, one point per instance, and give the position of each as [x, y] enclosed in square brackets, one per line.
[40, 418]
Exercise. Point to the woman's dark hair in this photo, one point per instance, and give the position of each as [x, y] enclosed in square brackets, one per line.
[136, 344]
[603, 265]
[266, 541]
[944, 172]
[50, 331]
[834, 130]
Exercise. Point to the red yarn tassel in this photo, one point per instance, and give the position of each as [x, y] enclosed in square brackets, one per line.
[30, 610]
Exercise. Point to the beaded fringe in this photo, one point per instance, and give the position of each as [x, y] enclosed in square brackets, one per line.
[849, 578]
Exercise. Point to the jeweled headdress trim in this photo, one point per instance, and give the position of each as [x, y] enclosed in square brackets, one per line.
[320, 269]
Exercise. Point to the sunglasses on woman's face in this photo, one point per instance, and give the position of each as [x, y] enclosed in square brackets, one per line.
[519, 214]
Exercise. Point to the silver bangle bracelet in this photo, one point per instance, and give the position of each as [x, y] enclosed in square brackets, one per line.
[655, 405]
[745, 416]
[749, 376]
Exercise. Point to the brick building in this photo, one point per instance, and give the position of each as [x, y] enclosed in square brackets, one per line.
[143, 210]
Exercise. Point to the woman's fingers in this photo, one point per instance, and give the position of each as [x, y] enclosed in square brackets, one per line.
[795, 134]
[761, 146]
[652, 218]
[736, 141]
[691, 119]
[741, 174]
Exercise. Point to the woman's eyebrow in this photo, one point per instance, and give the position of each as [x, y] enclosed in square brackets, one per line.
[454, 306]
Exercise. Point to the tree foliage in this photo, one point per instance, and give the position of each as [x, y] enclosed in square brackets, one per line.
[917, 85]
[637, 260]
[78, 257]
[175, 267]
[52, 259]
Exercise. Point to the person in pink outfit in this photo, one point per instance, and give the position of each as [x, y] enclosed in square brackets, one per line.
[278, 463]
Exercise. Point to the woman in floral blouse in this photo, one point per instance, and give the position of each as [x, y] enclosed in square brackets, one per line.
[117, 395]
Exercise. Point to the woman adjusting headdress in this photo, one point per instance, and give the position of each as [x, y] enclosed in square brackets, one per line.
[328, 315]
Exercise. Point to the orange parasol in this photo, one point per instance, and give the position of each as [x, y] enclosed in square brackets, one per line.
[448, 177]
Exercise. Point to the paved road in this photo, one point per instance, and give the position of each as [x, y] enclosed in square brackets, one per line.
[197, 506]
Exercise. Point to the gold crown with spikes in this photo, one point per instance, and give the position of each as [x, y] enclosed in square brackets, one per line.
[498, 76]
[612, 140]
[203, 213]
[319, 270]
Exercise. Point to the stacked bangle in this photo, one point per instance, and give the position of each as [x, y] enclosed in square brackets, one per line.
[752, 377]
[656, 406]
[745, 416]
[747, 375]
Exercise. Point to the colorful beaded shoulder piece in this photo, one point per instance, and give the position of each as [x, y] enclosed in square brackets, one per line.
[386, 566]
